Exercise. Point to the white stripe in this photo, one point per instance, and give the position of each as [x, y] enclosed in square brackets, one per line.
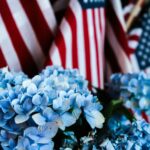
[26, 32]
[137, 32]
[77, 10]
[101, 56]
[8, 49]
[48, 14]
[92, 48]
[102, 20]
[123, 60]
[133, 44]
[127, 9]
[134, 63]
[55, 56]
[100, 45]
[66, 32]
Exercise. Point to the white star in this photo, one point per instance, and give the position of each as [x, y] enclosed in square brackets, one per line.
[147, 50]
[140, 53]
[142, 46]
[148, 43]
[143, 63]
[145, 15]
[85, 1]
[147, 27]
[143, 40]
[145, 34]
[145, 56]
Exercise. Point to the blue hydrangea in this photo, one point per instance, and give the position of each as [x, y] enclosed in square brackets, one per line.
[38, 138]
[134, 89]
[70, 141]
[34, 109]
[8, 78]
[7, 140]
[135, 136]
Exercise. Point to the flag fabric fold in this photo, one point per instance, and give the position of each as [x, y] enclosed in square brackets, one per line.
[27, 29]
[79, 42]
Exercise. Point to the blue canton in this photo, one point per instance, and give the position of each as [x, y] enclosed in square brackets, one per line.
[143, 50]
[92, 3]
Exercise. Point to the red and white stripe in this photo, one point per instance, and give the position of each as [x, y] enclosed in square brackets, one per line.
[26, 31]
[135, 33]
[117, 50]
[120, 45]
[128, 9]
[79, 42]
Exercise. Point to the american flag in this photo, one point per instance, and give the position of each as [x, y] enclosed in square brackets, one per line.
[143, 49]
[121, 44]
[135, 37]
[122, 47]
[27, 28]
[79, 42]
[133, 34]
[117, 51]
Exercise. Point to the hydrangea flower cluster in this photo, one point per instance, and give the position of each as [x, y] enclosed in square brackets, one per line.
[33, 110]
[130, 136]
[134, 89]
[120, 134]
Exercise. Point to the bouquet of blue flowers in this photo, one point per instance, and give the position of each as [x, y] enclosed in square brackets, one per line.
[124, 135]
[56, 110]
[134, 90]
[35, 111]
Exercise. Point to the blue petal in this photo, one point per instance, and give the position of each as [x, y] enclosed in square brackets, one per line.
[32, 89]
[50, 115]
[68, 119]
[49, 130]
[37, 99]
[76, 112]
[49, 146]
[57, 103]
[21, 118]
[38, 119]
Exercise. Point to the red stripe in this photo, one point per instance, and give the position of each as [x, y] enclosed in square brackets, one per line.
[126, 16]
[118, 29]
[96, 46]
[3, 62]
[134, 37]
[48, 62]
[70, 17]
[99, 16]
[60, 43]
[26, 59]
[87, 46]
[39, 24]
[145, 116]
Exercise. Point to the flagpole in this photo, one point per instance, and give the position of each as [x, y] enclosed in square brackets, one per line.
[135, 12]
